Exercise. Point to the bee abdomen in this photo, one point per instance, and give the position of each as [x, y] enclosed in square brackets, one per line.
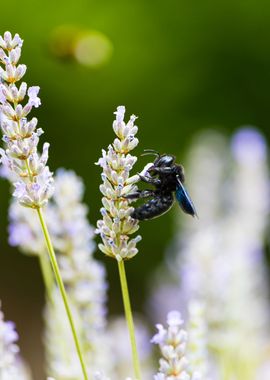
[154, 207]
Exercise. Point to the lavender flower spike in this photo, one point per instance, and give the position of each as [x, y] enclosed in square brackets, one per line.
[101, 376]
[116, 162]
[173, 342]
[117, 224]
[10, 366]
[22, 164]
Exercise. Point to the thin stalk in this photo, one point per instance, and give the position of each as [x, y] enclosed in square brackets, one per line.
[129, 318]
[62, 289]
[47, 274]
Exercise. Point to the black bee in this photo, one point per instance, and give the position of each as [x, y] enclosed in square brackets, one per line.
[167, 177]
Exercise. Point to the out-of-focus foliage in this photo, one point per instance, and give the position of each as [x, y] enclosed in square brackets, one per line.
[179, 66]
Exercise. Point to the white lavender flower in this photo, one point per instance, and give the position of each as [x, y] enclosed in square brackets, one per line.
[117, 162]
[120, 353]
[197, 340]
[83, 276]
[10, 365]
[8, 347]
[172, 342]
[24, 230]
[220, 259]
[61, 358]
[101, 376]
[21, 162]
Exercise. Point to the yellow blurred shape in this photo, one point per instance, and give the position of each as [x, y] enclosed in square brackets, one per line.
[93, 49]
[90, 48]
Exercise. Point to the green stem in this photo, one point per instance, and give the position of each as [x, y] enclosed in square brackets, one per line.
[47, 274]
[129, 318]
[62, 289]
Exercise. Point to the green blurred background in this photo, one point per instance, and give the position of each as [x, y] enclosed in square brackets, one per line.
[181, 66]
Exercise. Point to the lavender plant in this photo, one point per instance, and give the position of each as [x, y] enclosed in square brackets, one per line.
[218, 271]
[83, 277]
[119, 353]
[197, 340]
[117, 162]
[220, 260]
[117, 224]
[11, 366]
[24, 166]
[173, 346]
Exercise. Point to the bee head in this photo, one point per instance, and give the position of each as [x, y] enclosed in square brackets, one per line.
[164, 160]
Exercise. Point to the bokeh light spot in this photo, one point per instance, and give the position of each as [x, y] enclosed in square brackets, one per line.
[93, 49]
[90, 48]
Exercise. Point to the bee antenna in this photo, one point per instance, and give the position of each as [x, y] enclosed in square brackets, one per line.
[148, 152]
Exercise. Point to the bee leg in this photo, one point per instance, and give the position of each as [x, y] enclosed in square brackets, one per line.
[149, 179]
[140, 194]
[163, 170]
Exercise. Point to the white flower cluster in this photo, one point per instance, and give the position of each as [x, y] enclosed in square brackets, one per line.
[173, 346]
[117, 162]
[10, 366]
[197, 341]
[229, 250]
[120, 353]
[83, 276]
[61, 359]
[101, 376]
[8, 347]
[220, 259]
[21, 162]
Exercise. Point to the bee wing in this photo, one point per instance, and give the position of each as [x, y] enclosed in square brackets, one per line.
[184, 199]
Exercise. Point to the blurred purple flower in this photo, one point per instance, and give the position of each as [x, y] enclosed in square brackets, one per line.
[248, 145]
